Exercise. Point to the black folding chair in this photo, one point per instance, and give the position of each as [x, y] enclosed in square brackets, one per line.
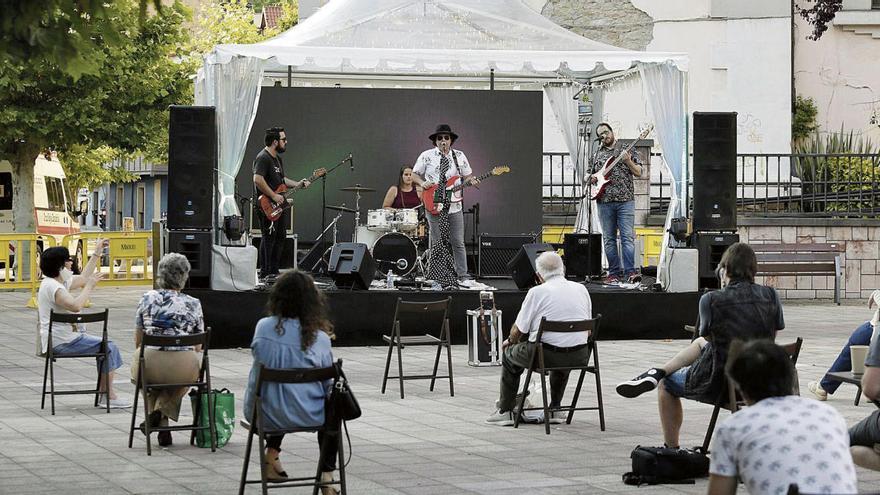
[536, 364]
[51, 357]
[732, 401]
[202, 384]
[421, 311]
[293, 375]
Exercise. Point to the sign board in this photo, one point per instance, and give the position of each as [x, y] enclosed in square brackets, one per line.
[128, 248]
[128, 224]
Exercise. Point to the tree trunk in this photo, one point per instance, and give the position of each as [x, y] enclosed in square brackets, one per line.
[23, 159]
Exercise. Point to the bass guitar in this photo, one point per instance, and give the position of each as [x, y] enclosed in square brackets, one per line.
[435, 196]
[273, 210]
[603, 175]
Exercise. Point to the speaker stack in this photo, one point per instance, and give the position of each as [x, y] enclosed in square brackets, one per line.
[192, 160]
[714, 215]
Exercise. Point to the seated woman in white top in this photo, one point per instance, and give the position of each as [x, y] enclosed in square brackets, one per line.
[58, 281]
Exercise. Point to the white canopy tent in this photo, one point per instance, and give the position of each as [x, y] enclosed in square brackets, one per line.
[412, 39]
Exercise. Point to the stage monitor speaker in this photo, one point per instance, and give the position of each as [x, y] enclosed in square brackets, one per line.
[714, 171]
[711, 247]
[522, 266]
[313, 261]
[192, 159]
[196, 247]
[583, 255]
[351, 266]
[496, 251]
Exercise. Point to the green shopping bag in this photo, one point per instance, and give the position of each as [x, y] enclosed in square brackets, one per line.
[224, 416]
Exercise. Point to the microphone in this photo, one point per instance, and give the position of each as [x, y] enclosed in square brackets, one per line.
[351, 162]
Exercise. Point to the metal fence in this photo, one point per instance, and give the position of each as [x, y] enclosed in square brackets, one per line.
[768, 185]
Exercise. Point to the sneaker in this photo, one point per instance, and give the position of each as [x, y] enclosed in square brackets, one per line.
[635, 278]
[818, 392]
[645, 382]
[612, 279]
[499, 418]
[558, 417]
[117, 403]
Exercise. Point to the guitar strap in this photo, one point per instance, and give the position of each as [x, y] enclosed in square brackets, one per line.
[457, 169]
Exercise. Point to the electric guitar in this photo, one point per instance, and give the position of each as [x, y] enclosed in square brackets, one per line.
[433, 197]
[602, 176]
[273, 210]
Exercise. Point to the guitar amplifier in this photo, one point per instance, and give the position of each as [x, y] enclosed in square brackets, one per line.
[495, 251]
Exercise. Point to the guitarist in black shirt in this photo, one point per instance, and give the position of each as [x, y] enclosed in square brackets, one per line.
[268, 176]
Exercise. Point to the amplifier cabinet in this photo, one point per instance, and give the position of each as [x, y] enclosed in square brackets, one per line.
[496, 251]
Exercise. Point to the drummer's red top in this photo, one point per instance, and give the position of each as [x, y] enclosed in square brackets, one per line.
[405, 199]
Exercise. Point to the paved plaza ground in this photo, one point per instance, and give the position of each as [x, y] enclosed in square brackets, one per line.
[429, 443]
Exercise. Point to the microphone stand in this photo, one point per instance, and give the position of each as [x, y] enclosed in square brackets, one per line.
[324, 196]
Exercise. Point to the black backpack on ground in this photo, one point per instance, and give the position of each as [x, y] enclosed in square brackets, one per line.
[663, 465]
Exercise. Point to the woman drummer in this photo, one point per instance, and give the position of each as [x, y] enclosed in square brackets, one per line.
[405, 194]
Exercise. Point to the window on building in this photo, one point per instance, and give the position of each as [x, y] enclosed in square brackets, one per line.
[875, 4]
[55, 193]
[120, 199]
[5, 191]
[140, 206]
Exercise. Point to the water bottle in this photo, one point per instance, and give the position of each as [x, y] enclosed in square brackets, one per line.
[389, 280]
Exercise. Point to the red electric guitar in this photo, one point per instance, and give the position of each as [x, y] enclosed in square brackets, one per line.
[274, 210]
[434, 196]
[602, 176]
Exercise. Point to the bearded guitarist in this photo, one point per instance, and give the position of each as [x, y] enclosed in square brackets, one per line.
[268, 176]
[446, 230]
[617, 204]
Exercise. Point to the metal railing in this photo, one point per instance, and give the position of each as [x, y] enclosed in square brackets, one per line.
[768, 185]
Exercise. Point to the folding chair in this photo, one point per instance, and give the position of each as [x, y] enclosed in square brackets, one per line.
[293, 375]
[422, 310]
[536, 364]
[51, 357]
[731, 400]
[202, 384]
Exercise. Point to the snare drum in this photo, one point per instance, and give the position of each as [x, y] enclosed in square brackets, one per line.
[407, 219]
[380, 220]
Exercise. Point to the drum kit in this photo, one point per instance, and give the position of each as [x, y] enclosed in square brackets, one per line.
[392, 236]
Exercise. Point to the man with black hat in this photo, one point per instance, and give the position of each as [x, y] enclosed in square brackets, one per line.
[436, 166]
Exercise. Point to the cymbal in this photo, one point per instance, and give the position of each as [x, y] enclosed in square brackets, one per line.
[357, 188]
[343, 209]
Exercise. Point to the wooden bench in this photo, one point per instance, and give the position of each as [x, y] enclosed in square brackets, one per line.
[801, 259]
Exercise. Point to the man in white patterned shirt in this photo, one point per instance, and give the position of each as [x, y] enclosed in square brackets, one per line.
[426, 172]
[780, 438]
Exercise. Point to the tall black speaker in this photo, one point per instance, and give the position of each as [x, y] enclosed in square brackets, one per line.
[711, 247]
[192, 159]
[714, 171]
[196, 247]
[583, 255]
[522, 266]
[351, 266]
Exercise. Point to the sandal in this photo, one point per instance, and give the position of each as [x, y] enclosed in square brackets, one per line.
[327, 477]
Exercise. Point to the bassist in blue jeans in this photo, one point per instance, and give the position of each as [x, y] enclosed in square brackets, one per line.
[617, 205]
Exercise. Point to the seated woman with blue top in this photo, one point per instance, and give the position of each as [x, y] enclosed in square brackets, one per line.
[296, 334]
[54, 295]
[168, 312]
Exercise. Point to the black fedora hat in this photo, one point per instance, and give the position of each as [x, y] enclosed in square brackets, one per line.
[443, 129]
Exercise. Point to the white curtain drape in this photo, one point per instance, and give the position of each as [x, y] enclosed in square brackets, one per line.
[665, 91]
[565, 108]
[233, 89]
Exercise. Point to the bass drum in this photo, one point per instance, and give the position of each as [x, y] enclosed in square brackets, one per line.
[397, 251]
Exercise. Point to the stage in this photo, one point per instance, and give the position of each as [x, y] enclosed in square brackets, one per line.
[361, 317]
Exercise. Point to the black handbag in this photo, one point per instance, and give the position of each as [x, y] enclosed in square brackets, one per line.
[342, 400]
[662, 465]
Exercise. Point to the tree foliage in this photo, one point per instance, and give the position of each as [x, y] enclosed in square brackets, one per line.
[122, 105]
[67, 34]
[820, 15]
[803, 122]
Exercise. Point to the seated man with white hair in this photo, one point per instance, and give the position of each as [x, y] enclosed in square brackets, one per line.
[556, 299]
